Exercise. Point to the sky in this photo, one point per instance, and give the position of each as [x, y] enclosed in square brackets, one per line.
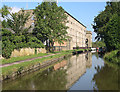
[84, 12]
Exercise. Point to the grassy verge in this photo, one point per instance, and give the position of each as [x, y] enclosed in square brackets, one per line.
[26, 65]
[14, 59]
[0, 47]
[70, 50]
[113, 58]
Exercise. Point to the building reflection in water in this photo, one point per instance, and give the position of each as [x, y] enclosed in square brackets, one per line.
[60, 76]
[88, 60]
[75, 67]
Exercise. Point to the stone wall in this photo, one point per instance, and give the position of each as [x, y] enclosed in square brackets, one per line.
[27, 51]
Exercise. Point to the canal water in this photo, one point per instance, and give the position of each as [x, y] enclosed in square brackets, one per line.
[86, 71]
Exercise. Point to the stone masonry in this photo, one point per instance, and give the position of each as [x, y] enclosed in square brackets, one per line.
[77, 32]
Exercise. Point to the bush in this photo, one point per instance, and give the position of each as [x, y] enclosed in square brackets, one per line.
[11, 41]
[113, 57]
[7, 48]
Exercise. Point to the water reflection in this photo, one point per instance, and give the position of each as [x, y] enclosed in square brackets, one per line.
[76, 69]
[85, 71]
[98, 77]
[88, 60]
[106, 78]
[58, 77]
[39, 81]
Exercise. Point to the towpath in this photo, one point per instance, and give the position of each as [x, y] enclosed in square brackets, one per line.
[26, 60]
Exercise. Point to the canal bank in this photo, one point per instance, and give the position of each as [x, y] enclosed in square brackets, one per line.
[15, 70]
[113, 58]
[85, 71]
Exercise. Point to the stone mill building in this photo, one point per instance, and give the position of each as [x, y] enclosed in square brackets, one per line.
[79, 36]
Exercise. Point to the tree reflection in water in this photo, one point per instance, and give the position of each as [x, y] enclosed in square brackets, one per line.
[47, 79]
[77, 72]
[106, 78]
[60, 76]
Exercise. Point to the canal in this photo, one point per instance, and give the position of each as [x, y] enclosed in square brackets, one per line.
[86, 71]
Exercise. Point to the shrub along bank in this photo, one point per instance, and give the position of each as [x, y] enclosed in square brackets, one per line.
[113, 58]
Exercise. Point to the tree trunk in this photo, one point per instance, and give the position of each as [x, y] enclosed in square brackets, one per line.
[47, 46]
[52, 44]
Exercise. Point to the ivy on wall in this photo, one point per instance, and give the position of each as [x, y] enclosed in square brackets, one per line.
[11, 41]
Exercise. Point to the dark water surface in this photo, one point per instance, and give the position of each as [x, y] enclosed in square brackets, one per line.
[86, 71]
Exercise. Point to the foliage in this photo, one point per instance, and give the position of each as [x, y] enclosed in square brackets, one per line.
[106, 25]
[41, 81]
[14, 33]
[7, 48]
[113, 57]
[0, 47]
[98, 44]
[4, 24]
[106, 78]
[5, 11]
[33, 42]
[113, 32]
[50, 23]
[10, 42]
[17, 22]
[0, 35]
[27, 65]
[7, 45]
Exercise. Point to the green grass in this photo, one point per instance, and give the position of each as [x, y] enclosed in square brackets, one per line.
[0, 47]
[14, 59]
[112, 58]
[26, 65]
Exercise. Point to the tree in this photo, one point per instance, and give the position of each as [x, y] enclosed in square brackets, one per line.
[11, 41]
[5, 11]
[7, 45]
[17, 22]
[98, 44]
[50, 23]
[113, 33]
[4, 24]
[106, 27]
[20, 38]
